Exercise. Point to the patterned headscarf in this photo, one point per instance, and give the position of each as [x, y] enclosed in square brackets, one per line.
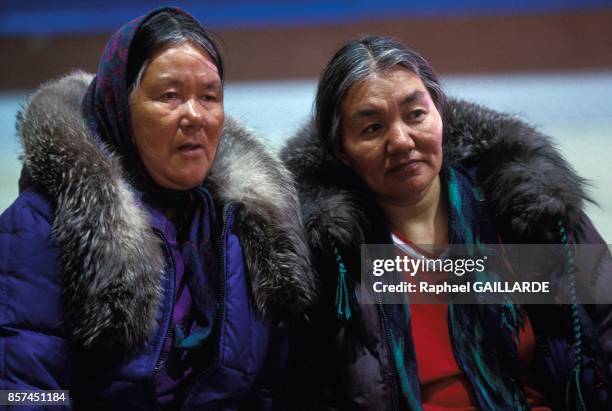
[106, 104]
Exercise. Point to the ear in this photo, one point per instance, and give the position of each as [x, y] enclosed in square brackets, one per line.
[343, 157]
[341, 154]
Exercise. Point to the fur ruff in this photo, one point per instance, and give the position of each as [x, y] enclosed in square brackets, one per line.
[528, 185]
[112, 262]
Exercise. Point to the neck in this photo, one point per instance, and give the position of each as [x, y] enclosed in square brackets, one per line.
[422, 220]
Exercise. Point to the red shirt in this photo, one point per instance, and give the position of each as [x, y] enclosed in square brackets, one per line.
[444, 386]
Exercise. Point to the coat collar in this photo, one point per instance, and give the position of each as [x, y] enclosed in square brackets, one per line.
[528, 185]
[111, 260]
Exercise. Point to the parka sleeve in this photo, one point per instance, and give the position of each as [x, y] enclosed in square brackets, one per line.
[34, 353]
[600, 268]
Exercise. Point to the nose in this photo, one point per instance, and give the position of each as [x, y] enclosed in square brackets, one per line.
[400, 139]
[192, 116]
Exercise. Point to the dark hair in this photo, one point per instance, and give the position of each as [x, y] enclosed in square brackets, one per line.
[354, 62]
[161, 30]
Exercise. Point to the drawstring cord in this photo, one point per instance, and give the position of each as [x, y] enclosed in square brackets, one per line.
[343, 308]
[573, 385]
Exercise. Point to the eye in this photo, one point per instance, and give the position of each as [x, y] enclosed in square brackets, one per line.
[210, 97]
[170, 95]
[371, 128]
[417, 114]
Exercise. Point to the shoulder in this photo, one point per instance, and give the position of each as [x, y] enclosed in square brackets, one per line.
[594, 257]
[27, 243]
[267, 220]
[32, 212]
[28, 254]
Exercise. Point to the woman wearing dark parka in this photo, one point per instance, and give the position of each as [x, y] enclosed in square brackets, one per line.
[155, 253]
[388, 159]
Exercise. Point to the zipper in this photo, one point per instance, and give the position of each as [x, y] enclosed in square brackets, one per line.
[162, 360]
[228, 209]
[169, 331]
[394, 378]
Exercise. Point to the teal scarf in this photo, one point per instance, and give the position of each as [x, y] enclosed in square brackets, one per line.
[484, 336]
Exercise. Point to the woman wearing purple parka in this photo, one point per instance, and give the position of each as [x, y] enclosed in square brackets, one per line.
[155, 252]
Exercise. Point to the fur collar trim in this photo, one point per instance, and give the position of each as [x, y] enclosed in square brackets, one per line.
[112, 262]
[527, 183]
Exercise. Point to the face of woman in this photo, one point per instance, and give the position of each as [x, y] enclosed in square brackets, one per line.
[391, 134]
[177, 116]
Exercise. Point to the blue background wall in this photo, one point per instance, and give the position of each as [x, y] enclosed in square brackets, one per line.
[97, 16]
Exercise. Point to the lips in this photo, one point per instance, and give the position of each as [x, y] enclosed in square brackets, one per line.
[404, 166]
[193, 149]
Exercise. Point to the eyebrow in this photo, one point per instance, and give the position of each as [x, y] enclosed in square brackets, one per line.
[172, 81]
[409, 99]
[412, 97]
[169, 80]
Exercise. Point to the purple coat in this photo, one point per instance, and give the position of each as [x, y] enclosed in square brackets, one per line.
[87, 281]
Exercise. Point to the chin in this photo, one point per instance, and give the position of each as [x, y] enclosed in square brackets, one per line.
[188, 185]
[411, 187]
[195, 177]
[184, 183]
[414, 183]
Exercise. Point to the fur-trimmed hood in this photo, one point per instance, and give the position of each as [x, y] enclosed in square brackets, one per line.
[527, 183]
[111, 260]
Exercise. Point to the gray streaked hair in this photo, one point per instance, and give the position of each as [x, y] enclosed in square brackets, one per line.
[354, 62]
